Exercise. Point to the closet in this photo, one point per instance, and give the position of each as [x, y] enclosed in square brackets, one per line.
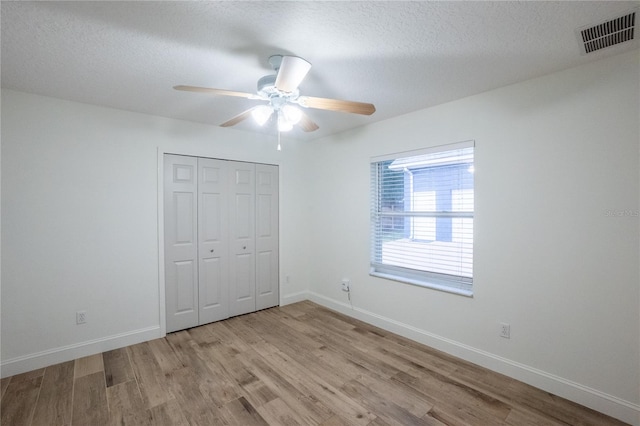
[221, 239]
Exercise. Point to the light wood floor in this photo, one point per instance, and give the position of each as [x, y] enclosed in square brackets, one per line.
[297, 365]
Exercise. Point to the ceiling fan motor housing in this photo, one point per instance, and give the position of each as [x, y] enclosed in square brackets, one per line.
[266, 85]
[267, 89]
[275, 61]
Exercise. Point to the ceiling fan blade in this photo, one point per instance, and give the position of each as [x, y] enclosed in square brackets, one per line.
[337, 105]
[307, 124]
[238, 118]
[217, 92]
[291, 73]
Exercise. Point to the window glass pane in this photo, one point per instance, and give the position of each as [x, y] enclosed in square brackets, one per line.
[422, 217]
[423, 228]
[462, 200]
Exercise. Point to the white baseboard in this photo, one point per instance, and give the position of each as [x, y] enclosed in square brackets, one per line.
[608, 404]
[294, 298]
[37, 360]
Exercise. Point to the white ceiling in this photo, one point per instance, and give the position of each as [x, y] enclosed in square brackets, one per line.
[400, 56]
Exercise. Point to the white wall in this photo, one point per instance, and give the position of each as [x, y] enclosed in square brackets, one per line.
[80, 223]
[553, 155]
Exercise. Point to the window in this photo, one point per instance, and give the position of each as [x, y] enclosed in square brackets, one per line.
[422, 217]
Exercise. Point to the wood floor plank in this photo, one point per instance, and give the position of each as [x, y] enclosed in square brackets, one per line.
[148, 374]
[296, 310]
[301, 364]
[297, 374]
[433, 421]
[117, 367]
[168, 413]
[28, 375]
[484, 380]
[56, 395]
[319, 362]
[19, 401]
[208, 374]
[222, 333]
[556, 408]
[413, 358]
[384, 409]
[242, 328]
[4, 383]
[258, 393]
[404, 396]
[455, 402]
[241, 412]
[90, 400]
[372, 336]
[519, 417]
[203, 335]
[308, 407]
[88, 365]
[336, 420]
[360, 356]
[277, 412]
[396, 351]
[196, 406]
[126, 406]
[238, 373]
[165, 355]
[271, 325]
[337, 323]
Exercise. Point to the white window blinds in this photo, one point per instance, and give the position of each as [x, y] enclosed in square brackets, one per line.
[422, 205]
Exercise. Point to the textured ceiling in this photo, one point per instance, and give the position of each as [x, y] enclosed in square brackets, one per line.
[400, 56]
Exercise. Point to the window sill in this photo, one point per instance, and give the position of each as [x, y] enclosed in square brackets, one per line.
[422, 283]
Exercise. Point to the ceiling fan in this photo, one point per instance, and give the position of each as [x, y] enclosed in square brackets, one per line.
[281, 92]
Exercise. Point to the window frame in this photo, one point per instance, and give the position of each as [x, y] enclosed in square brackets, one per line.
[456, 284]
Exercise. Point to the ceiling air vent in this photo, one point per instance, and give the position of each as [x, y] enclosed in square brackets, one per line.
[615, 31]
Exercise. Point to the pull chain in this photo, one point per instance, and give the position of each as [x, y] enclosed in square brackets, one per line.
[279, 147]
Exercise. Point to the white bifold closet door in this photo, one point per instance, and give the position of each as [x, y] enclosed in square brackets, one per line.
[181, 241]
[267, 276]
[213, 253]
[221, 239]
[242, 276]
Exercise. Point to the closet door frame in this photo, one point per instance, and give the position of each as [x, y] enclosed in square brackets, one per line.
[161, 236]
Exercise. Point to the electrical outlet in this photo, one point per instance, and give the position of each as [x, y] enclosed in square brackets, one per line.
[345, 284]
[81, 317]
[505, 330]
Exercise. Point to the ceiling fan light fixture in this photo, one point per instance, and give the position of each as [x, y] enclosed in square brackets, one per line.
[261, 114]
[284, 125]
[292, 113]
